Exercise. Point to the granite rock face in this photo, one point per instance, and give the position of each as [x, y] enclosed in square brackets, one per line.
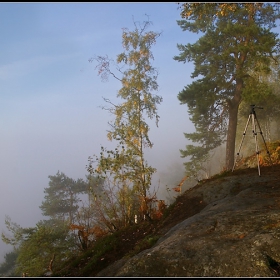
[237, 234]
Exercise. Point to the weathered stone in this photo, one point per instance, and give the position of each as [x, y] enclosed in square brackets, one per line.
[236, 235]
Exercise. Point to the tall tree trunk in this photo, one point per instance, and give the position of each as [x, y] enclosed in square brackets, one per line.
[231, 135]
[232, 124]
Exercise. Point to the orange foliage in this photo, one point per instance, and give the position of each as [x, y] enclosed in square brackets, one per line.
[179, 186]
[97, 231]
[85, 232]
[261, 160]
[177, 189]
[153, 207]
[146, 204]
[273, 156]
[158, 213]
[73, 227]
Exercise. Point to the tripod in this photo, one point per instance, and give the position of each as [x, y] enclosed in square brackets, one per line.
[255, 122]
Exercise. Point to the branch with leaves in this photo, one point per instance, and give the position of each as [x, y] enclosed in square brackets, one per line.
[126, 164]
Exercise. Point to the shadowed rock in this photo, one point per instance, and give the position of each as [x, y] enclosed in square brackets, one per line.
[236, 234]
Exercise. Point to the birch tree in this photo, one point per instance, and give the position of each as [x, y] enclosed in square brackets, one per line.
[127, 165]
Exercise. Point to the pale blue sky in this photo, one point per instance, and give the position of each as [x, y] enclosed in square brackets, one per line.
[50, 95]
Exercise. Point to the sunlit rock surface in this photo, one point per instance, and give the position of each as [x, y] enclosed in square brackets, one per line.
[236, 235]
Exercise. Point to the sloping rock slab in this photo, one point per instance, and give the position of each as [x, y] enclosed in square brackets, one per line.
[236, 235]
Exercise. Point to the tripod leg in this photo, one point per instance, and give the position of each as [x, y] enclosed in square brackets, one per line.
[264, 141]
[244, 133]
[256, 142]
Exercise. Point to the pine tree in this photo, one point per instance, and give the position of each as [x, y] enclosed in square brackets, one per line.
[237, 39]
[61, 199]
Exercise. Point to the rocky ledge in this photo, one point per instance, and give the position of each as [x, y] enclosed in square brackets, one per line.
[236, 234]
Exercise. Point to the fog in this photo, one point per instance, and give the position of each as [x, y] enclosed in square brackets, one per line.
[51, 95]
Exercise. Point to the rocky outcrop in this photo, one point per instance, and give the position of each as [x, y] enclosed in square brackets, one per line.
[237, 233]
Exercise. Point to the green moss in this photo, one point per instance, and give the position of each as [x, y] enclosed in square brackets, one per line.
[222, 174]
[143, 244]
[169, 210]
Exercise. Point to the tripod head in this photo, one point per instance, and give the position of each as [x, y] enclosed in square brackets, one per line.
[253, 108]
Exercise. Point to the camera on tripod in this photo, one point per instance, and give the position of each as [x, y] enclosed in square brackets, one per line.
[255, 123]
[254, 106]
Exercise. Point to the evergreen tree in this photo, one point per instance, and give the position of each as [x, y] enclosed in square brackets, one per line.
[266, 95]
[7, 268]
[45, 249]
[40, 249]
[61, 199]
[237, 40]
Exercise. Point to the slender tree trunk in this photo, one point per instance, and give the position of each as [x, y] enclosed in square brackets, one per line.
[51, 263]
[71, 207]
[231, 135]
[140, 147]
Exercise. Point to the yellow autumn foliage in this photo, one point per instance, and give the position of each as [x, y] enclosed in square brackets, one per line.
[274, 151]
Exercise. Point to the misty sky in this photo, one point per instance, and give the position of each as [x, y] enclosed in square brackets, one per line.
[50, 95]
